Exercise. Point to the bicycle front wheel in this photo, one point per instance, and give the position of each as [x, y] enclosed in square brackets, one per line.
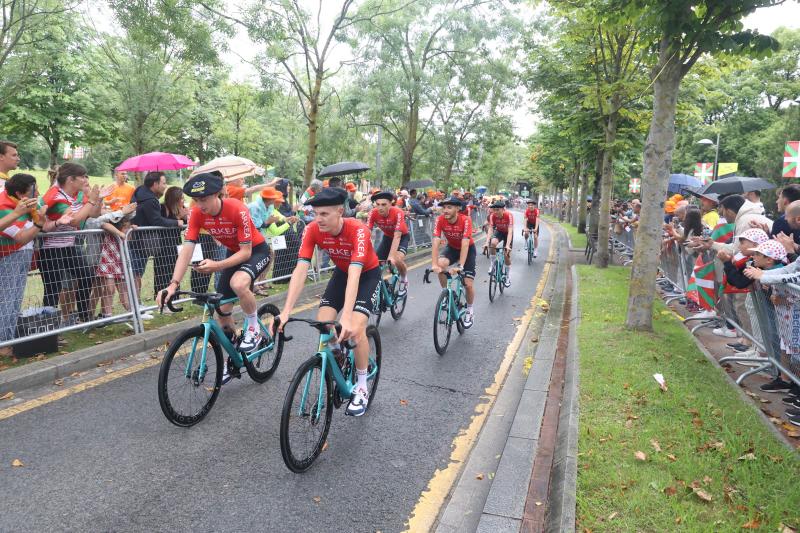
[306, 419]
[262, 367]
[442, 324]
[188, 387]
[530, 251]
[493, 284]
[398, 306]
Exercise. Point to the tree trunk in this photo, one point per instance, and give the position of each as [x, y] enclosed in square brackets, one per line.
[53, 144]
[598, 174]
[582, 199]
[655, 177]
[411, 141]
[576, 194]
[313, 113]
[606, 189]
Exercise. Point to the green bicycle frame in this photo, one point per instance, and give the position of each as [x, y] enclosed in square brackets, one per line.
[329, 364]
[453, 296]
[499, 267]
[386, 295]
[212, 327]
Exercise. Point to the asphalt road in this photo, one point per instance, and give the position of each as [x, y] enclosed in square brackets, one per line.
[106, 459]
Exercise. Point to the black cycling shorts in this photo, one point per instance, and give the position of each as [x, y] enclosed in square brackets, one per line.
[501, 237]
[454, 255]
[366, 298]
[258, 263]
[532, 225]
[386, 244]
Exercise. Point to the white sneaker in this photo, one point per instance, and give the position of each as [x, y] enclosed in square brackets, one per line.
[468, 319]
[724, 332]
[146, 315]
[707, 313]
[358, 403]
[535, 253]
[250, 340]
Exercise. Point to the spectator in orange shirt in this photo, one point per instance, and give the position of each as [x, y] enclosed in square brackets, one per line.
[121, 194]
[235, 188]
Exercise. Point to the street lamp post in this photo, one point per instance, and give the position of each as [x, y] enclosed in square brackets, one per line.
[708, 142]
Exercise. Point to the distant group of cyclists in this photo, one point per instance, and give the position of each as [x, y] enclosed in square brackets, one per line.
[352, 290]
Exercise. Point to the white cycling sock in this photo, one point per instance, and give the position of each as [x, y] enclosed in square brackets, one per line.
[251, 321]
[362, 378]
[469, 308]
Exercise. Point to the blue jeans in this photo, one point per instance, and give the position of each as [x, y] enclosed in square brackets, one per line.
[15, 275]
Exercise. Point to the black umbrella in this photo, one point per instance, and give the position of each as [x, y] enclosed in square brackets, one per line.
[420, 184]
[737, 185]
[343, 168]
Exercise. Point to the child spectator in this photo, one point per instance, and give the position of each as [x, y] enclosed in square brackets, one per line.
[110, 270]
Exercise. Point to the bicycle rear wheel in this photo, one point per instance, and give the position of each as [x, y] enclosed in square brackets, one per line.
[304, 422]
[261, 368]
[374, 340]
[184, 396]
[442, 324]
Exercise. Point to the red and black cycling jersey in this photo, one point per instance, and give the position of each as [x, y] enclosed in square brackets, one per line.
[501, 223]
[232, 226]
[531, 215]
[455, 232]
[394, 221]
[352, 246]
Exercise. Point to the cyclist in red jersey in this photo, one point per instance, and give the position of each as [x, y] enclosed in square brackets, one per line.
[228, 221]
[353, 288]
[456, 229]
[532, 223]
[394, 243]
[502, 222]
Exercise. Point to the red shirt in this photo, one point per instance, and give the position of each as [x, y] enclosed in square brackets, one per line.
[232, 227]
[454, 233]
[532, 214]
[501, 223]
[352, 246]
[394, 221]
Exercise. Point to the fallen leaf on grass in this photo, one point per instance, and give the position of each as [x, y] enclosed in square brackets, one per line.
[656, 446]
[640, 456]
[787, 426]
[776, 421]
[707, 480]
[678, 520]
[671, 457]
[626, 386]
[527, 363]
[39, 357]
[783, 528]
[748, 457]
[793, 434]
[697, 422]
[662, 383]
[7, 396]
[612, 516]
[670, 491]
[403, 402]
[17, 462]
[752, 524]
[703, 495]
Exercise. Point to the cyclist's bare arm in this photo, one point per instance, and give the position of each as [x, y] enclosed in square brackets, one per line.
[462, 257]
[350, 294]
[395, 243]
[184, 257]
[435, 254]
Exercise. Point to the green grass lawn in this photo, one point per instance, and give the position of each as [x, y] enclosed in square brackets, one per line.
[700, 440]
[578, 239]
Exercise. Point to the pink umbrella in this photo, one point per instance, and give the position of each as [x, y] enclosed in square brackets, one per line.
[156, 161]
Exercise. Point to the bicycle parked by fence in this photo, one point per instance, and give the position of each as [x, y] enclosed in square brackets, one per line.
[450, 309]
[191, 373]
[324, 381]
[389, 296]
[497, 276]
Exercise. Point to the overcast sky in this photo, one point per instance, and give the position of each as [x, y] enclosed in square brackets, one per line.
[765, 20]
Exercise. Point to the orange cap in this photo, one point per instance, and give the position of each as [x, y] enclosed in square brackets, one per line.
[270, 193]
[669, 206]
[350, 186]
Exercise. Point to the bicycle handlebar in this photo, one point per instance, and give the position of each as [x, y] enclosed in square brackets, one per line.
[321, 326]
[457, 266]
[211, 298]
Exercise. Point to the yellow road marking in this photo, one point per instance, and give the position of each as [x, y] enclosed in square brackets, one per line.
[80, 387]
[433, 497]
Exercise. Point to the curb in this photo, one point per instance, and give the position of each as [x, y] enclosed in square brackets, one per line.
[561, 509]
[42, 372]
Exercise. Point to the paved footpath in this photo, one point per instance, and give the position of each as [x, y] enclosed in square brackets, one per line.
[105, 459]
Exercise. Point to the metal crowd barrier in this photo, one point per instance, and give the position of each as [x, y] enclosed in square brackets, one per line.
[80, 280]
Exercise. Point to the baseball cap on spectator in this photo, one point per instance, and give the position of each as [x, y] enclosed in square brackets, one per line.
[279, 199]
[758, 236]
[350, 186]
[271, 193]
[772, 249]
[204, 184]
[669, 206]
[676, 198]
[327, 197]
